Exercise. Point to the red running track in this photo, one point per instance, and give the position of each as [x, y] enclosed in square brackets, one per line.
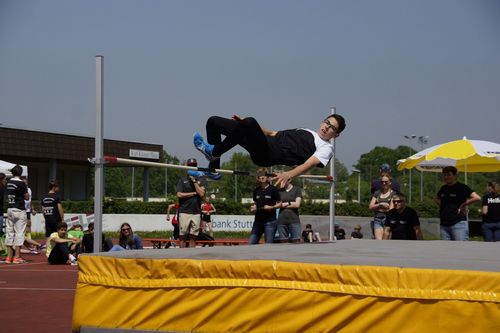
[36, 297]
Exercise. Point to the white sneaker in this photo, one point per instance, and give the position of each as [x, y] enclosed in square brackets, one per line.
[74, 263]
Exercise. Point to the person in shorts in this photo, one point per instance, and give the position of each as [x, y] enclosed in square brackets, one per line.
[380, 204]
[190, 191]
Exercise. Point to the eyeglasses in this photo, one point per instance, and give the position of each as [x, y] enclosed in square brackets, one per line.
[330, 126]
[125, 229]
[385, 182]
[397, 201]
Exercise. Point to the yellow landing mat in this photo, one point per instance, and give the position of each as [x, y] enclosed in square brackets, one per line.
[186, 295]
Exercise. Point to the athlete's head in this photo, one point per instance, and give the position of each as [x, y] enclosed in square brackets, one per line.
[331, 127]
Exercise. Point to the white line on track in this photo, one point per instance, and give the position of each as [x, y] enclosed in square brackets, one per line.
[39, 270]
[39, 289]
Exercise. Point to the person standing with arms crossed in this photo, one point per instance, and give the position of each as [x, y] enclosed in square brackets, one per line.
[453, 198]
[190, 191]
[266, 200]
[380, 204]
[17, 192]
[52, 209]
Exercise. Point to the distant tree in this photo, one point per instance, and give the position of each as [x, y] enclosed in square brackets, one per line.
[114, 185]
[236, 187]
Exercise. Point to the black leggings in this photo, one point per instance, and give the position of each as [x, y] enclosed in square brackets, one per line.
[246, 133]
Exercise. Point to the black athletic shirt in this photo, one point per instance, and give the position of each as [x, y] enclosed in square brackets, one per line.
[268, 196]
[191, 205]
[291, 147]
[16, 189]
[402, 224]
[452, 196]
[50, 209]
[492, 200]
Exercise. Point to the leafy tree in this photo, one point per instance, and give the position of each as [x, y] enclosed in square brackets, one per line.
[236, 186]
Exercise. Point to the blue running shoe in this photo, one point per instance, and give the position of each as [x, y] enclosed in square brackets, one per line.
[195, 173]
[205, 148]
[198, 174]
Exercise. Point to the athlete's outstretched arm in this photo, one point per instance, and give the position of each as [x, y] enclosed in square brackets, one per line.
[282, 177]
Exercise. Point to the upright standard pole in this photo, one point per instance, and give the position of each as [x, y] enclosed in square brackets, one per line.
[99, 156]
[333, 110]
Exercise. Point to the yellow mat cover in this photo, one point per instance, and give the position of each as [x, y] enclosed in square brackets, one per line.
[184, 295]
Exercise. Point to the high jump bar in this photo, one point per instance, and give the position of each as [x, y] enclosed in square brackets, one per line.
[119, 160]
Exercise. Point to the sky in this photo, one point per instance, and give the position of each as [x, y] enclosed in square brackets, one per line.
[390, 67]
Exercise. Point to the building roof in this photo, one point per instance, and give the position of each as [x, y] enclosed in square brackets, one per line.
[24, 144]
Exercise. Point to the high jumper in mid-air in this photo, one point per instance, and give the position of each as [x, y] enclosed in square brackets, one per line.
[300, 147]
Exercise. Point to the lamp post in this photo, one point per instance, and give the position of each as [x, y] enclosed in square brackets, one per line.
[354, 170]
[409, 137]
[423, 140]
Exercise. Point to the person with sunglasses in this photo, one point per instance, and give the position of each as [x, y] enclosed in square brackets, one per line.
[402, 221]
[128, 240]
[300, 147]
[380, 204]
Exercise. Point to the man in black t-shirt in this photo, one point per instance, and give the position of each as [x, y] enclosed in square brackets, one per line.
[491, 215]
[453, 198]
[190, 191]
[52, 209]
[402, 222]
[15, 227]
[266, 200]
[300, 147]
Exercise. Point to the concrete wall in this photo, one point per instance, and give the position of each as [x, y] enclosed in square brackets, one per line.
[151, 222]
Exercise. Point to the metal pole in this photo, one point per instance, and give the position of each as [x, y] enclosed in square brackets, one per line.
[129, 162]
[99, 155]
[333, 110]
[133, 179]
[423, 139]
[409, 137]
